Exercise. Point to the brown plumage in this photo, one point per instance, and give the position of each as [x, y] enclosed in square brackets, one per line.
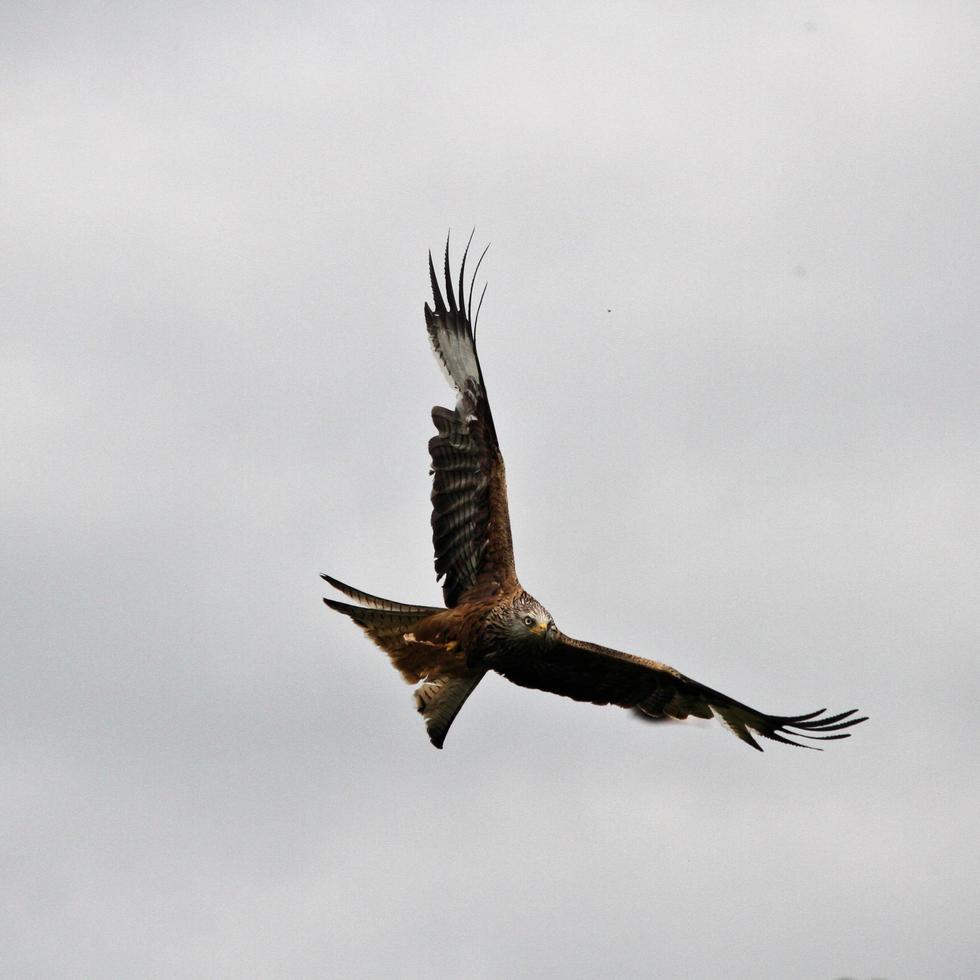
[490, 622]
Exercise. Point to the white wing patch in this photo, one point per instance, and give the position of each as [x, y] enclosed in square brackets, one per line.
[455, 353]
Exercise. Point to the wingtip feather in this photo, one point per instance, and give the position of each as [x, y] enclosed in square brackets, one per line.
[450, 296]
[438, 302]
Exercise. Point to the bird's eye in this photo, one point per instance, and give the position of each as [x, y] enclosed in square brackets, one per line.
[528, 620]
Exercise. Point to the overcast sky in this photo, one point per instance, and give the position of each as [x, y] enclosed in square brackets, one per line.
[731, 344]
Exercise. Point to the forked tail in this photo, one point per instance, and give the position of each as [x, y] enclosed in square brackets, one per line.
[391, 626]
[388, 623]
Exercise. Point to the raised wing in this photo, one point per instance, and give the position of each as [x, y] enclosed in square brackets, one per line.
[588, 672]
[470, 523]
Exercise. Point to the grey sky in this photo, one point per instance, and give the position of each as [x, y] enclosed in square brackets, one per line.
[731, 343]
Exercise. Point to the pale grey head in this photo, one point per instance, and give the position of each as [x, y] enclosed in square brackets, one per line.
[524, 621]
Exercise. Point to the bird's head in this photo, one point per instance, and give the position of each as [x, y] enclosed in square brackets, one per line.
[529, 621]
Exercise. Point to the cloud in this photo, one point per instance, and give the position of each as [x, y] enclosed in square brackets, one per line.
[215, 384]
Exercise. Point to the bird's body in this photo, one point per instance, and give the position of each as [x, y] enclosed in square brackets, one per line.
[489, 621]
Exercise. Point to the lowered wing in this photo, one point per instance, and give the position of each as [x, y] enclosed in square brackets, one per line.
[588, 672]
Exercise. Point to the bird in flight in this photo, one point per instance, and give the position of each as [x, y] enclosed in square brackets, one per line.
[489, 621]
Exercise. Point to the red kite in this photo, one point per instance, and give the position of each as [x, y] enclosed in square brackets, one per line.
[490, 622]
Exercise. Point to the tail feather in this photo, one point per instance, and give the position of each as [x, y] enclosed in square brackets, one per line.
[391, 626]
[373, 601]
[439, 701]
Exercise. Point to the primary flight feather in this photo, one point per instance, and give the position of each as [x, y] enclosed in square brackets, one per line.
[489, 621]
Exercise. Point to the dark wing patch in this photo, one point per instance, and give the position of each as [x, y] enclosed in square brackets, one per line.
[470, 520]
[588, 672]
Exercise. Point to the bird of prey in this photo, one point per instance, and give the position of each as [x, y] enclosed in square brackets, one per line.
[489, 621]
